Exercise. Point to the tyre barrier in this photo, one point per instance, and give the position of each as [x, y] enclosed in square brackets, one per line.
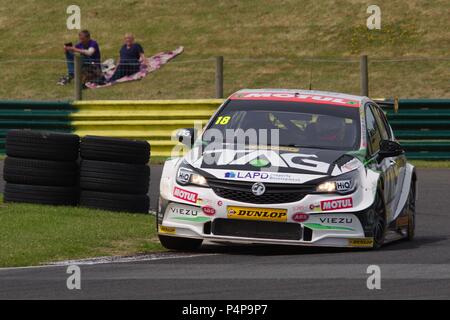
[63, 196]
[42, 145]
[41, 167]
[114, 174]
[115, 150]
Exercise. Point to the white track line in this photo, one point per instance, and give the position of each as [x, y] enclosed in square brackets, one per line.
[115, 259]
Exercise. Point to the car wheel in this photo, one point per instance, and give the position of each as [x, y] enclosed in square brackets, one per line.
[180, 244]
[411, 213]
[377, 211]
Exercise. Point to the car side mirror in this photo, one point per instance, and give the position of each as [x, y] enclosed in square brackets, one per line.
[186, 136]
[389, 148]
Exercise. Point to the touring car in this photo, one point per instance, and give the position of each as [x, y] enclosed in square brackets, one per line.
[291, 167]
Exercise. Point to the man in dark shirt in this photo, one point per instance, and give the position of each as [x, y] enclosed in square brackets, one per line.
[90, 56]
[131, 57]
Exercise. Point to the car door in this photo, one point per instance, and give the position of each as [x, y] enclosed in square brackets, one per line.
[375, 135]
[398, 163]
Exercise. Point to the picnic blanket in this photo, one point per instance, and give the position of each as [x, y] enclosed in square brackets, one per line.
[153, 63]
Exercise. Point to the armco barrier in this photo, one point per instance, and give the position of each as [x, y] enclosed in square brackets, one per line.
[421, 125]
[153, 120]
[42, 115]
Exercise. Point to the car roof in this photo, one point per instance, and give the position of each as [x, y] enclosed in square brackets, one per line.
[311, 96]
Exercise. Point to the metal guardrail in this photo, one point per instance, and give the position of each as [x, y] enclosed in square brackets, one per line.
[421, 125]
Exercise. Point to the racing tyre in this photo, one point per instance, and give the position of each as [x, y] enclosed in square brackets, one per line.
[377, 211]
[42, 145]
[41, 194]
[40, 172]
[180, 244]
[114, 177]
[115, 201]
[411, 213]
[115, 150]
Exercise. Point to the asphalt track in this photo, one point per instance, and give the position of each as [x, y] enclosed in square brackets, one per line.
[409, 270]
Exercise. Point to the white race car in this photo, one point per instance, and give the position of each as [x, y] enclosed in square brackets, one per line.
[289, 167]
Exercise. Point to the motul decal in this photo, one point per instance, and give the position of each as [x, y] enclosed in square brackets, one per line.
[328, 205]
[321, 99]
[185, 195]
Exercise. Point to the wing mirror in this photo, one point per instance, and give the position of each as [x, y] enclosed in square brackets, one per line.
[186, 136]
[388, 149]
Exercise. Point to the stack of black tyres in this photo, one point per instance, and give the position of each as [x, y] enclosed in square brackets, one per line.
[114, 174]
[41, 167]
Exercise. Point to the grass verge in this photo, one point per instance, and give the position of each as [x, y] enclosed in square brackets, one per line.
[36, 234]
[264, 43]
[426, 164]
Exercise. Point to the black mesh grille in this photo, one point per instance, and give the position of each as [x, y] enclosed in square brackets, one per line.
[257, 229]
[275, 192]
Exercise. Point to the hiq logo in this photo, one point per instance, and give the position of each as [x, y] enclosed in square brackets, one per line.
[230, 175]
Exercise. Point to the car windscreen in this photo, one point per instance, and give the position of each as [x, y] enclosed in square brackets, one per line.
[297, 124]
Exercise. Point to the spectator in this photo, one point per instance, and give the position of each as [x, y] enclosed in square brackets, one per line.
[90, 56]
[131, 57]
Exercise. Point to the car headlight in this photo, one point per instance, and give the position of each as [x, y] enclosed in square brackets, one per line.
[342, 184]
[186, 175]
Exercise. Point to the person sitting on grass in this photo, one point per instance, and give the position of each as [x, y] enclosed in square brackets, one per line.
[131, 57]
[90, 56]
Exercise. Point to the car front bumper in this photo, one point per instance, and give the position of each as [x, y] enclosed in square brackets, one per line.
[196, 212]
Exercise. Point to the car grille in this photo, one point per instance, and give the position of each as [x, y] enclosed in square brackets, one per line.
[275, 192]
[256, 229]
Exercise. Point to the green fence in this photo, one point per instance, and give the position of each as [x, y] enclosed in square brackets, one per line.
[37, 115]
[421, 125]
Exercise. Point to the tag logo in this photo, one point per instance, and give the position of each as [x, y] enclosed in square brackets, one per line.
[374, 20]
[74, 20]
[74, 280]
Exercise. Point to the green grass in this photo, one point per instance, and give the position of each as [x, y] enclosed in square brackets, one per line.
[35, 234]
[257, 29]
[424, 164]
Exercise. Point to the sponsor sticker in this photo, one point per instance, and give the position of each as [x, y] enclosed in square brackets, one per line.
[292, 96]
[314, 207]
[185, 195]
[208, 210]
[361, 242]
[343, 185]
[343, 203]
[336, 220]
[169, 230]
[184, 211]
[247, 175]
[300, 217]
[264, 214]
